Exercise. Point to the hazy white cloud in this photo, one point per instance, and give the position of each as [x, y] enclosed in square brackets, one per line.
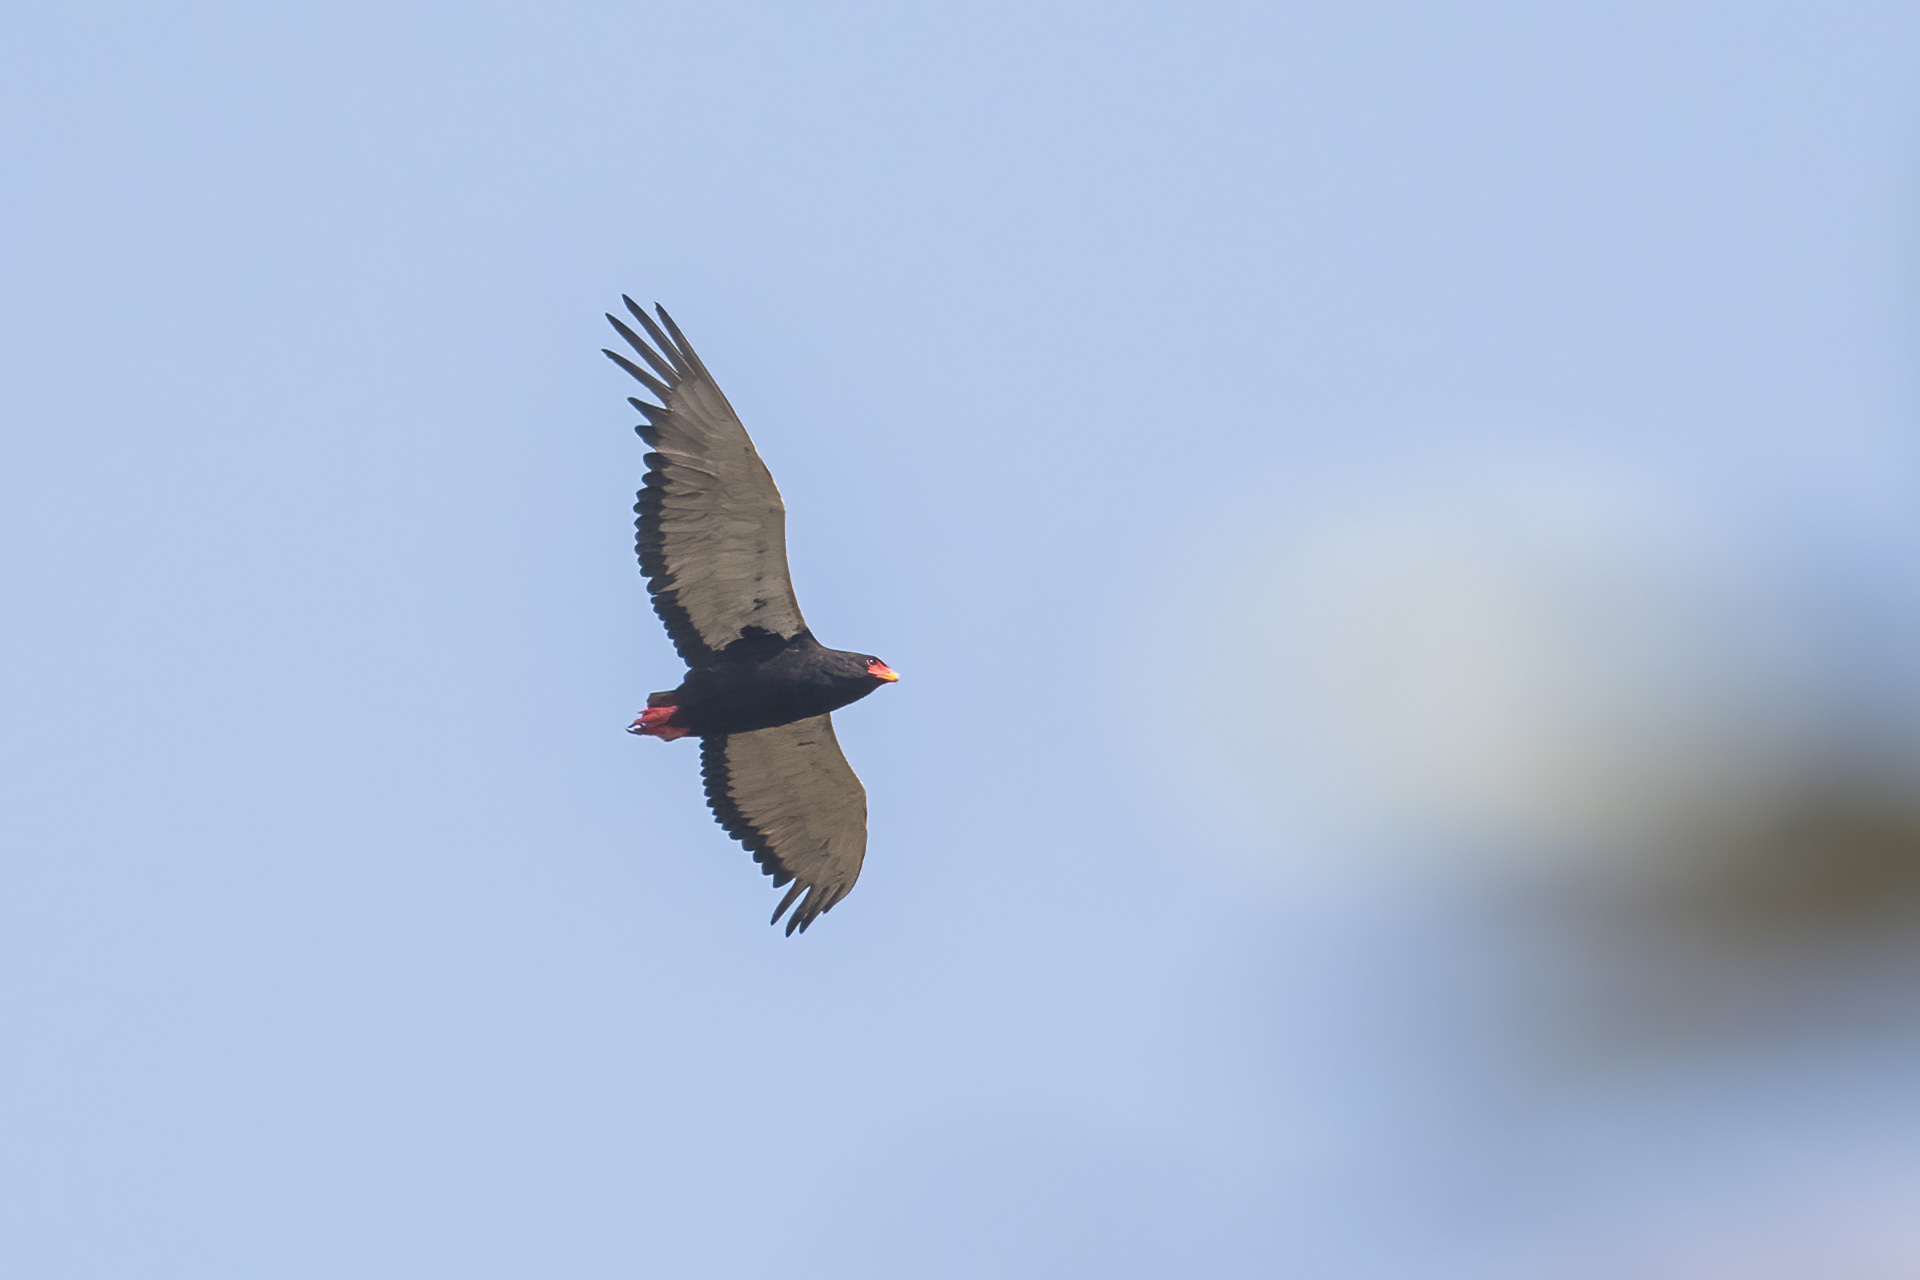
[1558, 656]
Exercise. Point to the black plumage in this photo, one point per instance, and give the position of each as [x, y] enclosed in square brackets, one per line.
[711, 537]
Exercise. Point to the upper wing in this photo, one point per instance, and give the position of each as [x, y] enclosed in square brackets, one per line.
[788, 794]
[712, 531]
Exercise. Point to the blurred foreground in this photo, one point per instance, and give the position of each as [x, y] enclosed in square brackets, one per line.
[1623, 754]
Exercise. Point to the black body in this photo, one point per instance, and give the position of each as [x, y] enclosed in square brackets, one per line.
[762, 681]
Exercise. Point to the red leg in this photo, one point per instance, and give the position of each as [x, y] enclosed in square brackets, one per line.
[653, 724]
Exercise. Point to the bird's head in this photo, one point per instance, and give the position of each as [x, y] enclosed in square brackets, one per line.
[879, 670]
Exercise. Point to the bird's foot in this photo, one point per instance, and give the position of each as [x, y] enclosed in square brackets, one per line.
[653, 724]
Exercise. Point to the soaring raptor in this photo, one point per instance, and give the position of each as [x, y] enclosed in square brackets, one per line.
[759, 688]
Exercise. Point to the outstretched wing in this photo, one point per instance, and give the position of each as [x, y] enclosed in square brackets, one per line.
[712, 531]
[791, 798]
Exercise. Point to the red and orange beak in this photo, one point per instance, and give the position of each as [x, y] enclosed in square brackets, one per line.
[881, 671]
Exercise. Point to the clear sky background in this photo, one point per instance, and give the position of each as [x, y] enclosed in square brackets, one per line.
[344, 933]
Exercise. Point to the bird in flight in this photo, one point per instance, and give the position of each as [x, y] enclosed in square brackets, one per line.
[759, 690]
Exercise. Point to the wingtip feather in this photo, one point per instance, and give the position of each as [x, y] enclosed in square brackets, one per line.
[799, 887]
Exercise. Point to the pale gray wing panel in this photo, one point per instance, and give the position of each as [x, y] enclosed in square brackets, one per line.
[711, 531]
[789, 796]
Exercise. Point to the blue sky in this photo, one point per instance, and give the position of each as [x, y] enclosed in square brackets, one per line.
[344, 932]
